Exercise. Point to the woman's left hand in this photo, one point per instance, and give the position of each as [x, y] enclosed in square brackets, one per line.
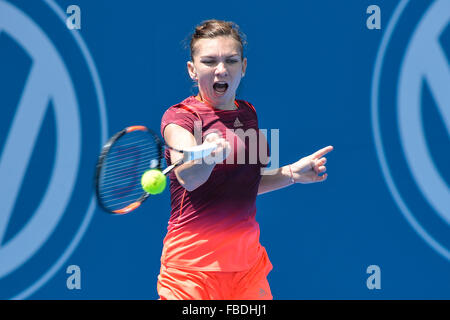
[307, 169]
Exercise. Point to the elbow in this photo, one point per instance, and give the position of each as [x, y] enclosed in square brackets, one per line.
[189, 183]
[190, 188]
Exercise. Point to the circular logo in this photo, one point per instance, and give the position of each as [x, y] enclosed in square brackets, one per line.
[411, 116]
[51, 130]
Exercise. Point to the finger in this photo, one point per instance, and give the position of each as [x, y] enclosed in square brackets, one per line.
[322, 169]
[322, 177]
[220, 142]
[322, 152]
[313, 164]
[222, 145]
[210, 137]
[225, 144]
[319, 163]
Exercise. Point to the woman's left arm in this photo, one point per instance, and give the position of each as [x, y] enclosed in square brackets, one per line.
[305, 170]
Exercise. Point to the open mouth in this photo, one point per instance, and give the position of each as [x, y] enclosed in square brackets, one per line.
[220, 87]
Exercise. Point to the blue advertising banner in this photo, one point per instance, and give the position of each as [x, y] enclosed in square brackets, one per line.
[370, 78]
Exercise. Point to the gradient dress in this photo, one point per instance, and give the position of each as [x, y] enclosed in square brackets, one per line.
[212, 235]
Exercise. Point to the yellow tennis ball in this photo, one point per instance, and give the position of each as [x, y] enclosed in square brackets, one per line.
[153, 181]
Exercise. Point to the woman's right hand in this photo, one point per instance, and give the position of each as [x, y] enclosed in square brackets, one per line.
[222, 150]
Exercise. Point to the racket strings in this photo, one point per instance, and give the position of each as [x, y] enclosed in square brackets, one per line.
[120, 168]
[127, 160]
[136, 195]
[119, 205]
[116, 184]
[124, 154]
[131, 141]
[126, 167]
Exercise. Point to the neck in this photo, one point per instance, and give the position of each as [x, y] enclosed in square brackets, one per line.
[229, 106]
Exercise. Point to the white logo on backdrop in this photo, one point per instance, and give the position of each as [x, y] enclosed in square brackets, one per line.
[424, 60]
[48, 80]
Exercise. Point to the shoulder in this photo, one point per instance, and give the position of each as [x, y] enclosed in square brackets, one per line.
[247, 105]
[180, 115]
[181, 109]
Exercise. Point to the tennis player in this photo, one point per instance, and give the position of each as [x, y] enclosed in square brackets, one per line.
[212, 249]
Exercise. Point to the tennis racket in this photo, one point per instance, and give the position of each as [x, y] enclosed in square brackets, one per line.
[123, 160]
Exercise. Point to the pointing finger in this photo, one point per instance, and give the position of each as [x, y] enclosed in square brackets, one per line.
[322, 152]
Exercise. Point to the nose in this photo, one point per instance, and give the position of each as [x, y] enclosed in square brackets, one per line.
[221, 69]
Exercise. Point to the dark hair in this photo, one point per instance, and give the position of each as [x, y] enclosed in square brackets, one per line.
[210, 29]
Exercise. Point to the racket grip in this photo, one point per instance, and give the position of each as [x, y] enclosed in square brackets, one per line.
[171, 167]
[198, 152]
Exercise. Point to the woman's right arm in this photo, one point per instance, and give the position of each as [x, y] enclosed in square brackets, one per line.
[192, 174]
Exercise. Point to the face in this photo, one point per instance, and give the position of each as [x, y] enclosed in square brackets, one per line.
[217, 68]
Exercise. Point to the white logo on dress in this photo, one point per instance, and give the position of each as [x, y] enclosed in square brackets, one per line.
[237, 123]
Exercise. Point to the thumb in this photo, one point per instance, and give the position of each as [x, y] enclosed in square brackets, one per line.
[211, 137]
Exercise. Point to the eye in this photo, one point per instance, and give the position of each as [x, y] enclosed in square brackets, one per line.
[231, 61]
[209, 62]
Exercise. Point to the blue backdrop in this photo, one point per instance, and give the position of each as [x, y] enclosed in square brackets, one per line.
[316, 72]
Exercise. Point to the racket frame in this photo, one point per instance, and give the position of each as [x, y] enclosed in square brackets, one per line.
[187, 155]
[105, 151]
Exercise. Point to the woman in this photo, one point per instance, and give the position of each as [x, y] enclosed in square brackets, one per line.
[212, 249]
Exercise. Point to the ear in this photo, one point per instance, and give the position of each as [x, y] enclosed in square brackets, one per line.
[244, 66]
[191, 70]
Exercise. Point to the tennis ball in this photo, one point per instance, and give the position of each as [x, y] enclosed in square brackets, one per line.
[153, 181]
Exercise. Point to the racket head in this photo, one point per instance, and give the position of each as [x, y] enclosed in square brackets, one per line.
[123, 160]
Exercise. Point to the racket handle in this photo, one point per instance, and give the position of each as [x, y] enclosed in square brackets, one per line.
[171, 167]
[198, 152]
[192, 153]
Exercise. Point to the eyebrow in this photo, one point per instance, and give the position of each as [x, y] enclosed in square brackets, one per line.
[213, 57]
